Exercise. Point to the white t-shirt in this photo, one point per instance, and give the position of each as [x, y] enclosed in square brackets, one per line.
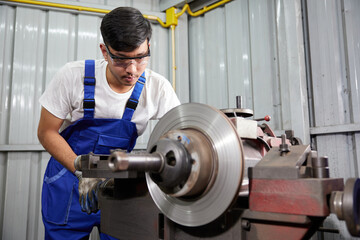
[65, 94]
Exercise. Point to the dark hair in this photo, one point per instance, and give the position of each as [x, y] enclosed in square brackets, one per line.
[125, 29]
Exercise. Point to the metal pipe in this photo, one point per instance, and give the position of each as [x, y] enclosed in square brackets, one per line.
[60, 5]
[48, 8]
[77, 8]
[202, 11]
[145, 162]
[173, 57]
[155, 18]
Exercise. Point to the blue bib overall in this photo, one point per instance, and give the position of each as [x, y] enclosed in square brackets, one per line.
[61, 211]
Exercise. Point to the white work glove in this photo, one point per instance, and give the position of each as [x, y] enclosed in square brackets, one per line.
[88, 193]
[89, 189]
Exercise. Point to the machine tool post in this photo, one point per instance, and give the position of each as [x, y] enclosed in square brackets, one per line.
[146, 162]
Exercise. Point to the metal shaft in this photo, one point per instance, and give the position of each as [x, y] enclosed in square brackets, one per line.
[239, 102]
[145, 162]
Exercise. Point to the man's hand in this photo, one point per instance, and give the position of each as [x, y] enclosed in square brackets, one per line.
[88, 192]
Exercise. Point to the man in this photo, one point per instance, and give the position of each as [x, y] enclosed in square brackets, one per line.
[103, 104]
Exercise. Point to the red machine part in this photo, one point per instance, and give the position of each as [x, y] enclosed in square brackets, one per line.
[293, 196]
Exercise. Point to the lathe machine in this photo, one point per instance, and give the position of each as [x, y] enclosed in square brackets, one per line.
[217, 174]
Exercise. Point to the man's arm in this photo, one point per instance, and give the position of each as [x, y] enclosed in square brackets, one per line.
[53, 142]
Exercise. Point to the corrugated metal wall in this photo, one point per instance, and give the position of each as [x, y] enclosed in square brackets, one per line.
[253, 49]
[250, 48]
[334, 46]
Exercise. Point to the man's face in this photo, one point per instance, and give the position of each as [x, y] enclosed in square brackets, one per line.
[126, 67]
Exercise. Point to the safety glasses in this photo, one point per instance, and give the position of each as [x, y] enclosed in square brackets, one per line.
[126, 61]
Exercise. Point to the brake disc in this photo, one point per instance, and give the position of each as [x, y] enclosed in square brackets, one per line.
[227, 156]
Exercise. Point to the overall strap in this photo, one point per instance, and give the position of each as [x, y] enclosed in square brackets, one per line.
[89, 89]
[134, 98]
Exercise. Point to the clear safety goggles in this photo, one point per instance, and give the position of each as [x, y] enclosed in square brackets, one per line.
[126, 61]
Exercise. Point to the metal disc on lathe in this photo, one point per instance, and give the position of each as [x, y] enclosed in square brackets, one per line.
[229, 159]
